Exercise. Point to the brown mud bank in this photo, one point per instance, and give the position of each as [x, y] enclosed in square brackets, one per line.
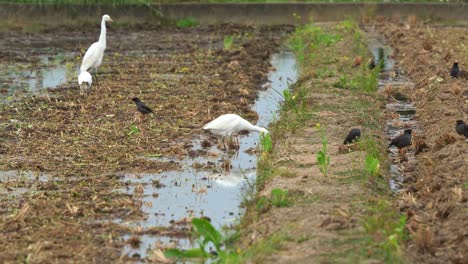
[434, 195]
[63, 154]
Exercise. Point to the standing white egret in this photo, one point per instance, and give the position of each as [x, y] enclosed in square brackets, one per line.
[229, 124]
[93, 56]
[85, 80]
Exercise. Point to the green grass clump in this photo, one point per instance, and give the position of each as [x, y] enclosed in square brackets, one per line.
[324, 72]
[348, 25]
[266, 143]
[228, 42]
[186, 22]
[279, 197]
[295, 101]
[372, 165]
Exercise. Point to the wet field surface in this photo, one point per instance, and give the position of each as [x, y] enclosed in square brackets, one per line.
[212, 186]
[92, 163]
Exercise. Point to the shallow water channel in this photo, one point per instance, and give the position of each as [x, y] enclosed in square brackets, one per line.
[204, 186]
[393, 82]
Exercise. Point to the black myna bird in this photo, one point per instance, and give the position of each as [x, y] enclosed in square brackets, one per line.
[455, 71]
[353, 135]
[402, 140]
[462, 128]
[142, 108]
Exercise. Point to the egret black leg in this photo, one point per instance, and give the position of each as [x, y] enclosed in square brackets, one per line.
[224, 145]
[95, 77]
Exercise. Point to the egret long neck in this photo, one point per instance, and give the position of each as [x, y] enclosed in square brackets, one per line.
[102, 37]
[257, 129]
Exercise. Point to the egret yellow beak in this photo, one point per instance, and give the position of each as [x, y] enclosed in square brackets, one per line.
[110, 20]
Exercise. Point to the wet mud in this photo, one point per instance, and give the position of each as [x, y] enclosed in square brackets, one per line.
[112, 173]
[434, 195]
[213, 186]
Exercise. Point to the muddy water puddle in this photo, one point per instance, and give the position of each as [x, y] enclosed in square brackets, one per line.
[212, 185]
[44, 71]
[33, 78]
[13, 184]
[399, 110]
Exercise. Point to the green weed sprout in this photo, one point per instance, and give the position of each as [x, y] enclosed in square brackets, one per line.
[294, 101]
[279, 197]
[266, 143]
[323, 158]
[186, 22]
[133, 130]
[228, 42]
[372, 165]
[205, 234]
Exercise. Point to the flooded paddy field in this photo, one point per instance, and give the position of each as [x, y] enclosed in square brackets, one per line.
[88, 179]
[89, 174]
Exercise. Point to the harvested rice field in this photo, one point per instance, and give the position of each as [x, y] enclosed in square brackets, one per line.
[87, 178]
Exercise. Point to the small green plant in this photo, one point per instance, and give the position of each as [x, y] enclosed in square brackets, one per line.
[262, 205]
[388, 230]
[343, 82]
[228, 42]
[266, 143]
[324, 72]
[134, 130]
[368, 81]
[323, 158]
[348, 25]
[372, 165]
[205, 235]
[395, 237]
[296, 101]
[289, 99]
[357, 38]
[370, 146]
[186, 22]
[279, 197]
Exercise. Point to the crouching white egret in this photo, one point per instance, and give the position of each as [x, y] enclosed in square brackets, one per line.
[85, 80]
[229, 124]
[93, 56]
